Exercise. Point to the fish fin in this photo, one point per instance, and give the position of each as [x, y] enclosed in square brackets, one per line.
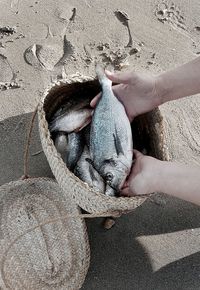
[89, 161]
[92, 163]
[52, 126]
[88, 121]
[110, 191]
[110, 161]
[101, 75]
[93, 177]
[118, 145]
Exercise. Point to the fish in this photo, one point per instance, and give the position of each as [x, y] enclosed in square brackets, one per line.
[85, 171]
[74, 149]
[86, 133]
[109, 191]
[73, 115]
[111, 143]
[71, 121]
[60, 143]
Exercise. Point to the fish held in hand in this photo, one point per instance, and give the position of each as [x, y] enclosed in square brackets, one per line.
[109, 191]
[110, 136]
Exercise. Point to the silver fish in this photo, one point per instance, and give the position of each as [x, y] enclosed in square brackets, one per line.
[110, 136]
[73, 120]
[74, 149]
[73, 103]
[110, 191]
[85, 171]
[61, 144]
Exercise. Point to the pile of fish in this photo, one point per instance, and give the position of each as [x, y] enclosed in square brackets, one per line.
[95, 144]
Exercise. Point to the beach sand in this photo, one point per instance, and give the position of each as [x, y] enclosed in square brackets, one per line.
[156, 246]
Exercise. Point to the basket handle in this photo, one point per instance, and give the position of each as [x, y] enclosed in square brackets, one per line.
[28, 142]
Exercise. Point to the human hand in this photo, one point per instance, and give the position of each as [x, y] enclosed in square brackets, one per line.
[144, 176]
[150, 175]
[137, 91]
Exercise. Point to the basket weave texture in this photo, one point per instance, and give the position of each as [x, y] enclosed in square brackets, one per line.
[52, 256]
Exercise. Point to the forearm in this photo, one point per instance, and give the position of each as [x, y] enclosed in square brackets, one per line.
[179, 82]
[179, 180]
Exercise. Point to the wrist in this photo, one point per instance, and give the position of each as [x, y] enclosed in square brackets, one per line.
[163, 91]
[158, 178]
[153, 174]
[167, 176]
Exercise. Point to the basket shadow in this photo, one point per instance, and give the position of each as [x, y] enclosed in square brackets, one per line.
[120, 261]
[13, 132]
[163, 214]
[117, 259]
[182, 274]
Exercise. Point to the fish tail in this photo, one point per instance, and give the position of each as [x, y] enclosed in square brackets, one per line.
[52, 127]
[101, 75]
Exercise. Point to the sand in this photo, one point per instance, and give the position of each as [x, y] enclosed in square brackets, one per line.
[41, 41]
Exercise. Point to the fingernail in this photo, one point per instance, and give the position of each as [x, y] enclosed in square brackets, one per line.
[109, 73]
[92, 103]
[126, 184]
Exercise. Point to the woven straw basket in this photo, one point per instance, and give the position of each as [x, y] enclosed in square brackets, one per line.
[84, 196]
[46, 251]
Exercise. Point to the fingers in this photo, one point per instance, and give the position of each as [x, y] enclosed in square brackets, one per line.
[120, 77]
[95, 100]
[137, 154]
[125, 192]
[117, 90]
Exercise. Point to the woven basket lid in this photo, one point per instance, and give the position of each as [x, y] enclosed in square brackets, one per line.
[87, 198]
[54, 255]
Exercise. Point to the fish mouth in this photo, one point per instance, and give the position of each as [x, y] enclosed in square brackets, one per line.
[117, 184]
[115, 188]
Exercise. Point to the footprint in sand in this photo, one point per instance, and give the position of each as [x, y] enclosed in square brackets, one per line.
[7, 30]
[6, 72]
[7, 76]
[48, 56]
[69, 16]
[168, 12]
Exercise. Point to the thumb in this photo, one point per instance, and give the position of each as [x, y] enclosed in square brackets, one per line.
[120, 77]
[126, 192]
[137, 154]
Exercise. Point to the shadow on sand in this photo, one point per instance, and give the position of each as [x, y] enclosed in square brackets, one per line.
[120, 262]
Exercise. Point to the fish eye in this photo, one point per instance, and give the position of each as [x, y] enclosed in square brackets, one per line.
[109, 176]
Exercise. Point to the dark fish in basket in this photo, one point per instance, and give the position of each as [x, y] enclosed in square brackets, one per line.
[111, 147]
[61, 144]
[86, 133]
[70, 147]
[74, 149]
[85, 171]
